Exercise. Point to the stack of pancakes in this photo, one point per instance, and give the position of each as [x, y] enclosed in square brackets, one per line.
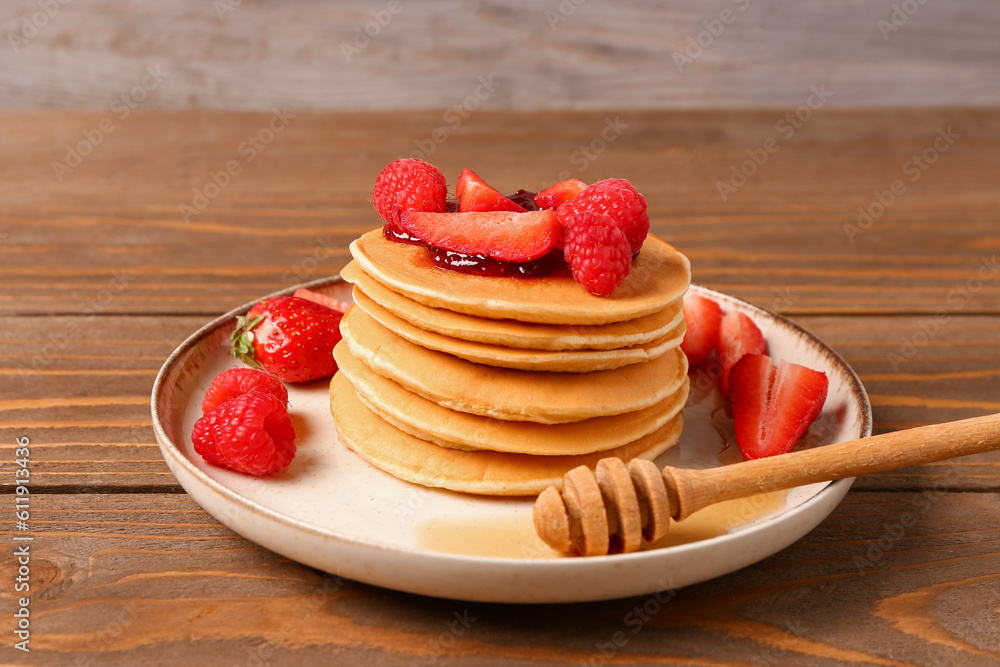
[500, 385]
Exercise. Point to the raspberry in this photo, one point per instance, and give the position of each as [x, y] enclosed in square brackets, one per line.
[251, 433]
[597, 251]
[614, 197]
[237, 381]
[409, 185]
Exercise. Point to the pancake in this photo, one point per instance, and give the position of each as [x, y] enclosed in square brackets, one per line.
[482, 472]
[505, 393]
[563, 361]
[429, 421]
[660, 275]
[513, 333]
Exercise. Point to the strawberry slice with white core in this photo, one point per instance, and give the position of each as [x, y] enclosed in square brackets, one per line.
[503, 235]
[738, 335]
[773, 405]
[560, 193]
[703, 318]
[474, 194]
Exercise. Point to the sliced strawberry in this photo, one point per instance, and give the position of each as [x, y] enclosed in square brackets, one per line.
[703, 318]
[560, 193]
[773, 406]
[738, 335]
[474, 194]
[322, 299]
[502, 235]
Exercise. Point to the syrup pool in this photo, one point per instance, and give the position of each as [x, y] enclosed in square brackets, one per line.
[499, 536]
[505, 536]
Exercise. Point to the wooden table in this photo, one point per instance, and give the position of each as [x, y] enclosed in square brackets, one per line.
[102, 276]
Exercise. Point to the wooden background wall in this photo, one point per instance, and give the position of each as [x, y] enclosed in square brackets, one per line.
[259, 54]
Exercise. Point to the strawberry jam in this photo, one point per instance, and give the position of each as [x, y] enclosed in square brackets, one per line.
[525, 199]
[394, 233]
[479, 265]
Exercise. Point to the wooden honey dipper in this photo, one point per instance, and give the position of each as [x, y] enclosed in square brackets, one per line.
[616, 508]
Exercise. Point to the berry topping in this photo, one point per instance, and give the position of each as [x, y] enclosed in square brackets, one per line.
[616, 198]
[738, 335]
[525, 199]
[251, 433]
[480, 265]
[703, 318]
[773, 406]
[238, 381]
[409, 185]
[597, 251]
[290, 336]
[560, 193]
[502, 235]
[322, 299]
[474, 194]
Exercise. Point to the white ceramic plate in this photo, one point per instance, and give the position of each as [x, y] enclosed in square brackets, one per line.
[333, 511]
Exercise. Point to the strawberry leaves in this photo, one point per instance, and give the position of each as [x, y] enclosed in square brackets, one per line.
[242, 339]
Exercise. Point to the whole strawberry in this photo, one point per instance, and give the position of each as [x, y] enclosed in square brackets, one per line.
[597, 251]
[238, 381]
[251, 433]
[323, 299]
[616, 198]
[409, 185]
[290, 336]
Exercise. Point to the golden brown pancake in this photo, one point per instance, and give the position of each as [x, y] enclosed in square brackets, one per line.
[460, 430]
[506, 393]
[659, 276]
[563, 361]
[513, 333]
[482, 472]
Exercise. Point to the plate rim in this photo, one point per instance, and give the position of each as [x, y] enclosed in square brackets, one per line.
[172, 453]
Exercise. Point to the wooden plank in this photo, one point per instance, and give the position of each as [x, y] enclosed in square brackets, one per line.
[82, 392]
[245, 55]
[922, 370]
[79, 388]
[144, 579]
[111, 237]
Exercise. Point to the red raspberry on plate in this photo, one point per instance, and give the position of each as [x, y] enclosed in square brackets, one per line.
[238, 381]
[409, 184]
[614, 197]
[251, 433]
[597, 251]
